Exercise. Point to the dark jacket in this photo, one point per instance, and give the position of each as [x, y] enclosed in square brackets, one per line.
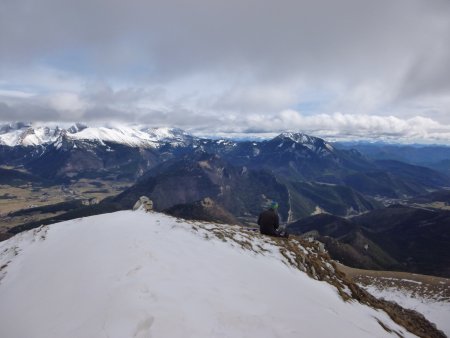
[269, 222]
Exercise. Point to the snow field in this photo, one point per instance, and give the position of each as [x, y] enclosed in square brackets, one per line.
[132, 274]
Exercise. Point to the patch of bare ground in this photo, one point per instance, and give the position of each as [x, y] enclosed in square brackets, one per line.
[7, 222]
[309, 256]
[433, 205]
[5, 236]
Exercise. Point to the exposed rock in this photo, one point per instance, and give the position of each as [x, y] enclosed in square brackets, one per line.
[144, 203]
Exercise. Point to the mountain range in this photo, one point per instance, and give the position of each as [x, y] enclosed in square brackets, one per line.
[27, 134]
[436, 157]
[80, 151]
[305, 174]
[231, 182]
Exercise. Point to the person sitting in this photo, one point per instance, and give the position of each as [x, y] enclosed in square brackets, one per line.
[269, 222]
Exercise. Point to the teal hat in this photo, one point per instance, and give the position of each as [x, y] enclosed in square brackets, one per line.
[274, 205]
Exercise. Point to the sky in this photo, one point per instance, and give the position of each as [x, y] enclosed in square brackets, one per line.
[347, 69]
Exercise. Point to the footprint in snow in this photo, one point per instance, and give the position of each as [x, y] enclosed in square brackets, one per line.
[134, 270]
[143, 328]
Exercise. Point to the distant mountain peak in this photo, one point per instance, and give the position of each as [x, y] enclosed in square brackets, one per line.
[301, 138]
[292, 139]
[297, 137]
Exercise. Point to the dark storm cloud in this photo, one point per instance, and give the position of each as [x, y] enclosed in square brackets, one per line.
[219, 63]
[273, 38]
[28, 112]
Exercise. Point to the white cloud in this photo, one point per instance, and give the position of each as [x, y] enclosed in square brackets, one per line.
[236, 65]
[339, 126]
[68, 102]
[5, 93]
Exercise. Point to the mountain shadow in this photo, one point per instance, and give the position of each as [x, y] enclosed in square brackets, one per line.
[240, 191]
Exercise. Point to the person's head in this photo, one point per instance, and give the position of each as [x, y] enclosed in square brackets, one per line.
[274, 205]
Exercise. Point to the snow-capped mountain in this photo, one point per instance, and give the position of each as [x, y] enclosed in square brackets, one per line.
[79, 151]
[25, 134]
[296, 140]
[137, 274]
[31, 134]
[302, 145]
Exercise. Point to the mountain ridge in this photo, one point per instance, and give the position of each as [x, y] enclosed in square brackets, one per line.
[27, 134]
[398, 237]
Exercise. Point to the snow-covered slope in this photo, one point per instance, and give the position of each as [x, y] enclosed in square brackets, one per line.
[435, 308]
[32, 135]
[133, 274]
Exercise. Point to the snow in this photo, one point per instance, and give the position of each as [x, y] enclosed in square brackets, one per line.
[137, 274]
[402, 279]
[163, 133]
[25, 135]
[307, 141]
[329, 146]
[435, 310]
[122, 135]
[318, 210]
[10, 138]
[299, 137]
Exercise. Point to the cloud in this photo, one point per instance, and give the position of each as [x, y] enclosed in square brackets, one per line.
[229, 65]
[167, 39]
[334, 126]
[373, 127]
[28, 112]
[68, 102]
[339, 126]
[15, 94]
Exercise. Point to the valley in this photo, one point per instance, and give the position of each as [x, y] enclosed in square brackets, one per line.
[25, 202]
[369, 213]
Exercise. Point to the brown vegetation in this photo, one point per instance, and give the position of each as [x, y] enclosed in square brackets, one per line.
[310, 257]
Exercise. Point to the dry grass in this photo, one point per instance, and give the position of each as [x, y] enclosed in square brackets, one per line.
[308, 257]
[411, 320]
[433, 205]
